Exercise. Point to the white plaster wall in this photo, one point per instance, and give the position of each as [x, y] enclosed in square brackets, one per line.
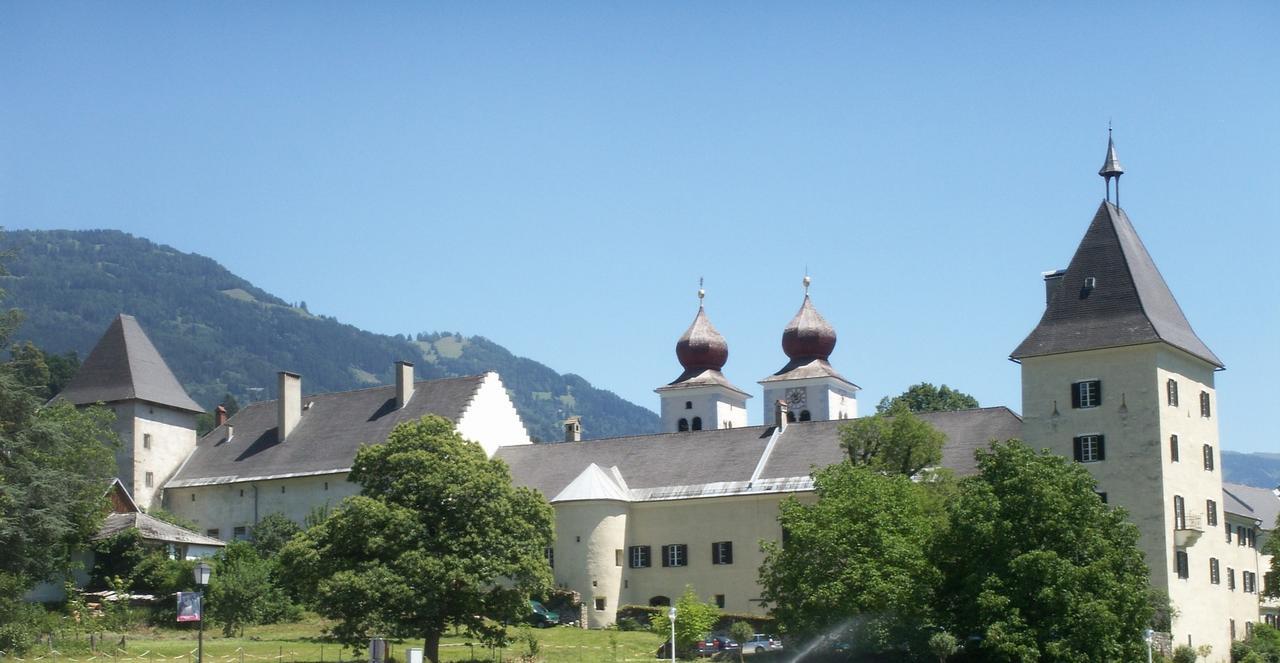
[173, 438]
[715, 406]
[590, 552]
[827, 398]
[491, 419]
[242, 504]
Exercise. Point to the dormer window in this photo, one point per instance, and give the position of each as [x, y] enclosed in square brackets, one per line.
[1090, 283]
[1086, 393]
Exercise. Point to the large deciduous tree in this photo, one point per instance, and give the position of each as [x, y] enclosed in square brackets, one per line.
[1037, 567]
[438, 537]
[855, 559]
[925, 397]
[896, 441]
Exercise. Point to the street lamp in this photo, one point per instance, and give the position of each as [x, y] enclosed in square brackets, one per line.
[202, 571]
[1149, 636]
[671, 617]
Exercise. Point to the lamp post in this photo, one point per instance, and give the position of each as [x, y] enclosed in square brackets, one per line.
[1148, 636]
[202, 572]
[671, 617]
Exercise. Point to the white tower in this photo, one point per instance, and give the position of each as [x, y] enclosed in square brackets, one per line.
[812, 389]
[702, 398]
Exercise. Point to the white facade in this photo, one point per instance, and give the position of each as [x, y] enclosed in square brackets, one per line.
[822, 398]
[491, 418]
[154, 441]
[702, 408]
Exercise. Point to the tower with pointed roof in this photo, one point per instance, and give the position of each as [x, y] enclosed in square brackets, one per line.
[810, 387]
[155, 417]
[1115, 378]
[701, 398]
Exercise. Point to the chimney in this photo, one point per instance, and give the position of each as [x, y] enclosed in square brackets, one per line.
[573, 429]
[1051, 282]
[780, 412]
[288, 403]
[404, 383]
[231, 431]
[219, 416]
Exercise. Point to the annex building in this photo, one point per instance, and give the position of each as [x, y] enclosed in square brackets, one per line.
[1113, 376]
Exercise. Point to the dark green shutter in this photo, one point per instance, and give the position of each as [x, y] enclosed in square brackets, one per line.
[1075, 394]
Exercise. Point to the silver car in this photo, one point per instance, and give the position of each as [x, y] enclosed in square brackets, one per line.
[761, 643]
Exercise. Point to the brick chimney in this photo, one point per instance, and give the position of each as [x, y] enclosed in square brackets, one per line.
[219, 416]
[780, 412]
[288, 403]
[573, 429]
[404, 383]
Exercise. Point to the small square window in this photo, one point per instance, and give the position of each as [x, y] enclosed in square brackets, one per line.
[1087, 393]
[617, 557]
[151, 479]
[1102, 496]
[600, 603]
[240, 533]
[676, 554]
[720, 601]
[1090, 448]
[639, 557]
[722, 552]
[212, 532]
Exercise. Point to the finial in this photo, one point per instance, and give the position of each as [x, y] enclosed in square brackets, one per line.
[1111, 168]
[701, 293]
[807, 281]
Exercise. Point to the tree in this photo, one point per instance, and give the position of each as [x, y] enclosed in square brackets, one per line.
[896, 441]
[943, 645]
[272, 533]
[925, 397]
[1271, 579]
[1037, 567]
[437, 537]
[743, 632]
[856, 556]
[694, 619]
[241, 591]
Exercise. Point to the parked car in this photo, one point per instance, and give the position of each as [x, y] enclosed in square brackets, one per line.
[714, 644]
[761, 643]
[541, 617]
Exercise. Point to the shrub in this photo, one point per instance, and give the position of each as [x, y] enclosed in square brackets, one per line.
[1184, 654]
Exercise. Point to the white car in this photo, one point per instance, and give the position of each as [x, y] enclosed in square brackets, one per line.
[761, 643]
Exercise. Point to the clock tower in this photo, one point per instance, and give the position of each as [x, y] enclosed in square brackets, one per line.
[702, 398]
[811, 388]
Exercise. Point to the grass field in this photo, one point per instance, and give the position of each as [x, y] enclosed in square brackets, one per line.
[302, 643]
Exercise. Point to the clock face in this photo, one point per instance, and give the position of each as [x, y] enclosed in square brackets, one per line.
[797, 397]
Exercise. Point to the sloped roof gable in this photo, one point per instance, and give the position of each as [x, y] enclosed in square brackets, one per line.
[1130, 303]
[124, 365]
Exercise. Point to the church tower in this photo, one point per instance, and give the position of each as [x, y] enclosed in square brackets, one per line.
[810, 387]
[702, 398]
[1114, 377]
[155, 418]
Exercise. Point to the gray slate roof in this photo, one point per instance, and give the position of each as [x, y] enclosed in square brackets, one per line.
[332, 429]
[1260, 503]
[124, 365]
[725, 455]
[1130, 305]
[151, 529]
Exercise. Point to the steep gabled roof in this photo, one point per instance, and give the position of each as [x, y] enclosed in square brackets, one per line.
[124, 365]
[332, 428]
[1129, 303]
[595, 484]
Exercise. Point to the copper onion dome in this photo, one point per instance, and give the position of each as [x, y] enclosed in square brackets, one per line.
[808, 335]
[702, 347]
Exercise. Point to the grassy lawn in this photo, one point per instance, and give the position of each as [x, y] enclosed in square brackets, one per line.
[302, 643]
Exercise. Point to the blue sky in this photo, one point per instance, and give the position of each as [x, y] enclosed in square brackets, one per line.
[557, 176]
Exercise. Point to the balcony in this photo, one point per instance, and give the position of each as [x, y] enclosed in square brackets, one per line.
[1189, 532]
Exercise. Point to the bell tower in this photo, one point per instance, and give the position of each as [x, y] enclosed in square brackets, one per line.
[702, 398]
[811, 388]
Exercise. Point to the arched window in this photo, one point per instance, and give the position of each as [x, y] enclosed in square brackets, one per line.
[688, 405]
[791, 417]
[683, 425]
[697, 423]
[659, 600]
[804, 415]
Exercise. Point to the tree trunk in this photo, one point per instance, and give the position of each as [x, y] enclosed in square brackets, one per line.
[431, 647]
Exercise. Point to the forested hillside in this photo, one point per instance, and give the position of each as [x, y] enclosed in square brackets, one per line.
[221, 335]
[1254, 469]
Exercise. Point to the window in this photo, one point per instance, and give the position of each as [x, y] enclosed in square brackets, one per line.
[688, 405]
[639, 557]
[1272, 620]
[720, 600]
[1171, 392]
[722, 552]
[240, 533]
[1252, 535]
[697, 423]
[1208, 457]
[675, 554]
[1248, 581]
[1087, 393]
[1102, 496]
[326, 485]
[1213, 571]
[683, 425]
[193, 497]
[1179, 512]
[1090, 448]
[1211, 512]
[600, 603]
[1173, 448]
[1180, 560]
[1248, 630]
[1231, 579]
[550, 554]
[212, 532]
[146, 440]
[1204, 404]
[151, 479]
[805, 416]
[241, 492]
[281, 489]
[1240, 537]
[1233, 628]
[1228, 532]
[617, 557]
[1269, 582]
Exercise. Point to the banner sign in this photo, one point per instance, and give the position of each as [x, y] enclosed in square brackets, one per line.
[190, 607]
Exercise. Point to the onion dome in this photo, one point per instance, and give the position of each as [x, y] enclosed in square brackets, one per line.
[808, 335]
[702, 347]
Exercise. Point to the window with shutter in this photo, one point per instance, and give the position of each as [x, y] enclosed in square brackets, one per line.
[639, 557]
[722, 552]
[1090, 448]
[1231, 579]
[1179, 512]
[1086, 393]
[1213, 571]
[1204, 404]
[1211, 512]
[1208, 458]
[1182, 565]
[1228, 532]
[1173, 448]
[1171, 391]
[1240, 537]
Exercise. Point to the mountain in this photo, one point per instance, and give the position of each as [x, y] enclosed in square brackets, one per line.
[1252, 469]
[220, 334]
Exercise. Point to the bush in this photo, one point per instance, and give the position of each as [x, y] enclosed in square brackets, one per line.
[630, 624]
[1184, 654]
